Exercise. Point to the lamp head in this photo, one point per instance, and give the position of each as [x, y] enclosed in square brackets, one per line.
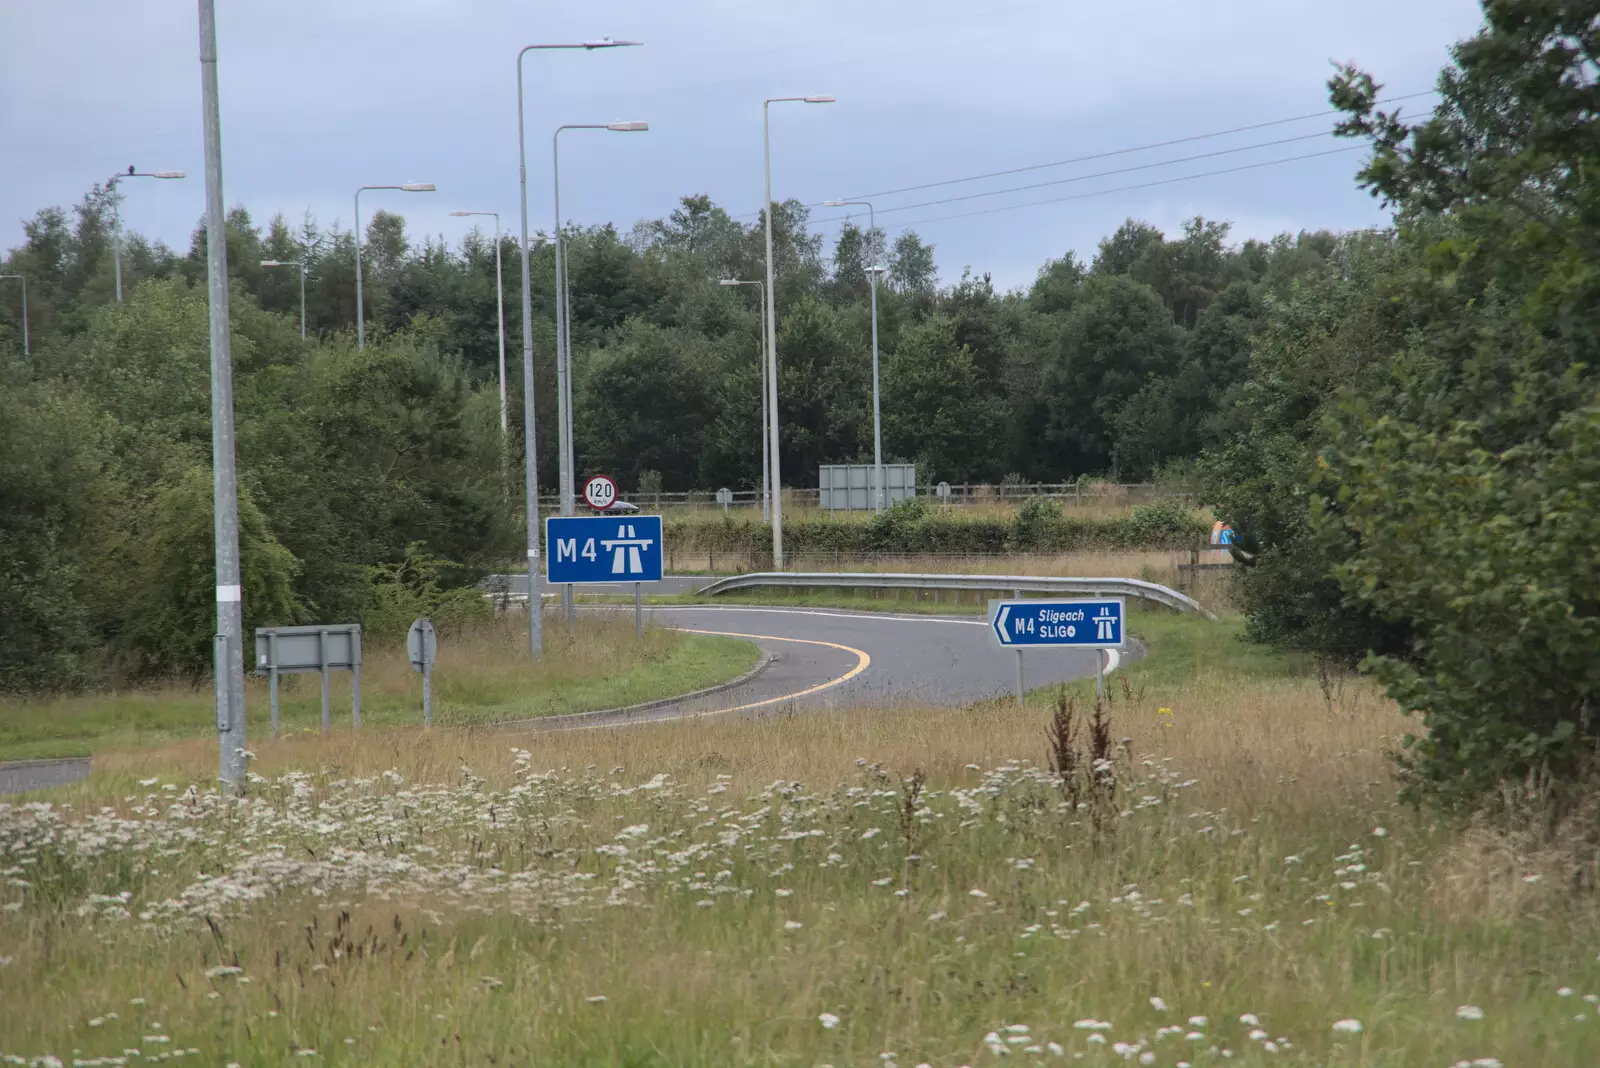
[627, 127]
[167, 174]
[418, 187]
[821, 98]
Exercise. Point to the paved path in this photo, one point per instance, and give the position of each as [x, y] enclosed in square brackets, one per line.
[819, 659]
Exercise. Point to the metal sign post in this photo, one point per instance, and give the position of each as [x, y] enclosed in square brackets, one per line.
[1077, 624]
[422, 644]
[638, 611]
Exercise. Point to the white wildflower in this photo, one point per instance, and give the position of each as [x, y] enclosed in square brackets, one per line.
[595, 999]
[976, 893]
[1249, 1019]
[1468, 1012]
[1092, 1024]
[828, 1020]
[1379, 832]
[792, 925]
[1158, 1005]
[1347, 1027]
[1198, 1021]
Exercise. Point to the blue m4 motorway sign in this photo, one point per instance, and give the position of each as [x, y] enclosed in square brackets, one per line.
[1077, 624]
[619, 548]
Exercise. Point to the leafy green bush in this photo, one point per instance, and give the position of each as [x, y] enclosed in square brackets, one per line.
[1038, 524]
[403, 592]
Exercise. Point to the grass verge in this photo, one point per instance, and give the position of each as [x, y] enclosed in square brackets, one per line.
[483, 675]
[862, 886]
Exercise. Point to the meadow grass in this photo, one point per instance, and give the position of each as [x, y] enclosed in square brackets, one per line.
[857, 886]
[483, 675]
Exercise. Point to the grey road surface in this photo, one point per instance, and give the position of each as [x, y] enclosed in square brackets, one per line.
[671, 584]
[25, 775]
[825, 658]
[819, 659]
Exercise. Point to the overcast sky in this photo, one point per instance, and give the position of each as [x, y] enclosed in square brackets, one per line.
[322, 96]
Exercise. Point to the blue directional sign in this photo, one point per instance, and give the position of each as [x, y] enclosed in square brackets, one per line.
[605, 548]
[1079, 624]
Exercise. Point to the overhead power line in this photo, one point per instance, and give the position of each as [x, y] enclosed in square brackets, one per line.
[1102, 174]
[1122, 188]
[1124, 151]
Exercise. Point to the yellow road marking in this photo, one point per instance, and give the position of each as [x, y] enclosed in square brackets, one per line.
[863, 660]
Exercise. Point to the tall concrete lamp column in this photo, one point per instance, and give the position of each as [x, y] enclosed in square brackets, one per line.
[772, 317]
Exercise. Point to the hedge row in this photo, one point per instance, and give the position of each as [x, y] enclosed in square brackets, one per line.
[910, 527]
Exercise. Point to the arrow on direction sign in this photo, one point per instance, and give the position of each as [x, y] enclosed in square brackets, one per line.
[999, 624]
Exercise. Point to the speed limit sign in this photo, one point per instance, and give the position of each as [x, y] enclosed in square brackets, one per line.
[600, 492]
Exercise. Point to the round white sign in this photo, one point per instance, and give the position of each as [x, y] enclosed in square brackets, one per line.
[600, 492]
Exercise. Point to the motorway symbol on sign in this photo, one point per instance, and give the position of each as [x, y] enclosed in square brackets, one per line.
[584, 549]
[600, 492]
[1076, 624]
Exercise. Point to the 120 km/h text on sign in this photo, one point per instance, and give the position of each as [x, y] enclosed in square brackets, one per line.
[1078, 624]
[590, 549]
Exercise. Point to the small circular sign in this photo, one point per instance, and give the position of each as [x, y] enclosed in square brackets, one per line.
[942, 490]
[600, 492]
[724, 496]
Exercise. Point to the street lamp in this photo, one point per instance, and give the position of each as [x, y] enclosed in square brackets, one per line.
[499, 307]
[877, 425]
[116, 216]
[408, 187]
[529, 460]
[302, 266]
[772, 319]
[766, 498]
[25, 349]
[566, 460]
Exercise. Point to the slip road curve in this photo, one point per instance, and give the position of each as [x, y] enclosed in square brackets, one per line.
[819, 659]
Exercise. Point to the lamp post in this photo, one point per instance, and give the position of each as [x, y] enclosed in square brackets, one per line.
[529, 459]
[116, 216]
[361, 319]
[566, 460]
[877, 424]
[26, 351]
[228, 647]
[302, 266]
[772, 319]
[766, 498]
[499, 307]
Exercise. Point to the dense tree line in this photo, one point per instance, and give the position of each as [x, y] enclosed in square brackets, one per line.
[1415, 473]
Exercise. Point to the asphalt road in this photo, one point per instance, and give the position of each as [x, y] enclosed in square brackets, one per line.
[671, 584]
[817, 659]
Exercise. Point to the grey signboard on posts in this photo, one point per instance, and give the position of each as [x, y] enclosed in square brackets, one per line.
[851, 487]
[301, 650]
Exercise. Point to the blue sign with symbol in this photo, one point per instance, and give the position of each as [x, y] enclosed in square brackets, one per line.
[1079, 624]
[606, 548]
